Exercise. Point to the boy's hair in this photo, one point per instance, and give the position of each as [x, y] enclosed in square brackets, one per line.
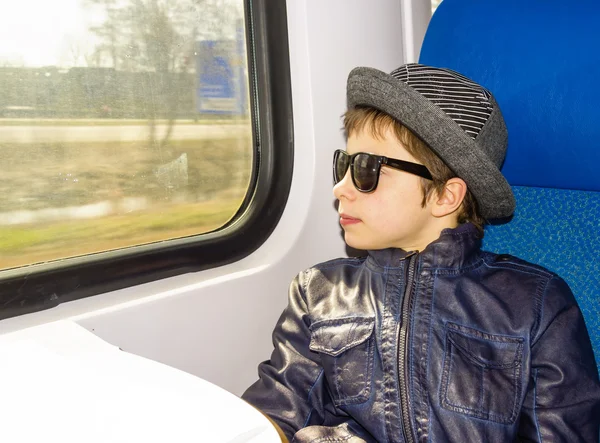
[362, 117]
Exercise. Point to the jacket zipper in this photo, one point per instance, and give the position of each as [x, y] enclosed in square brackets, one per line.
[403, 349]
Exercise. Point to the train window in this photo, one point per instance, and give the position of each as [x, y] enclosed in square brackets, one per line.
[122, 124]
[133, 138]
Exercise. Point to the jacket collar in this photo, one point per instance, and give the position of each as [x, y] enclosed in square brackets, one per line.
[454, 249]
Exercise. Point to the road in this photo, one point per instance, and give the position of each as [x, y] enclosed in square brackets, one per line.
[94, 133]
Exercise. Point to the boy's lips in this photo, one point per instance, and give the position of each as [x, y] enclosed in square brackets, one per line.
[347, 220]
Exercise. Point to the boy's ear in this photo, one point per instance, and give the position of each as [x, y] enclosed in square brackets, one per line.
[450, 198]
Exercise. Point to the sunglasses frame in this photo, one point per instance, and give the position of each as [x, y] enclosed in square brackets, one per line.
[402, 165]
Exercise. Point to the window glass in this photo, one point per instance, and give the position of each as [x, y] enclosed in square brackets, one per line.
[122, 122]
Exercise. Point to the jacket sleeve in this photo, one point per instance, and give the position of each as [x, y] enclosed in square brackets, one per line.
[562, 403]
[290, 388]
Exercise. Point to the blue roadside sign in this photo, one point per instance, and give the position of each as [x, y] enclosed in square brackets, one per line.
[222, 83]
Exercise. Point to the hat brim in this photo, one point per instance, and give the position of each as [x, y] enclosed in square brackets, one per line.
[377, 89]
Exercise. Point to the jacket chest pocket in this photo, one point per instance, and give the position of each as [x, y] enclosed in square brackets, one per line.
[482, 374]
[346, 349]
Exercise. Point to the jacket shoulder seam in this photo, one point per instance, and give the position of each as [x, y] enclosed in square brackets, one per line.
[520, 265]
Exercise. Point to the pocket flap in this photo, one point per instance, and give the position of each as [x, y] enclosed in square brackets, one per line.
[486, 350]
[335, 336]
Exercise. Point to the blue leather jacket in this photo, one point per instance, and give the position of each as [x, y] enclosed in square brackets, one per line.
[452, 344]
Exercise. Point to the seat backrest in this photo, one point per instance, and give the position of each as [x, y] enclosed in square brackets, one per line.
[540, 59]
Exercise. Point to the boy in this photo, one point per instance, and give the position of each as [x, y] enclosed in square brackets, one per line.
[429, 338]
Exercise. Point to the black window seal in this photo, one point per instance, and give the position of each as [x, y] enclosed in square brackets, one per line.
[37, 287]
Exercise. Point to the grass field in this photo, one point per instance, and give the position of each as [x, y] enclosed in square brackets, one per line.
[24, 245]
[189, 187]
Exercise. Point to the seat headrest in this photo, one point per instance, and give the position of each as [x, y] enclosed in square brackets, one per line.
[540, 60]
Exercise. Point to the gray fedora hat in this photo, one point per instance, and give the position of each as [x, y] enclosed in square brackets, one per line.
[457, 118]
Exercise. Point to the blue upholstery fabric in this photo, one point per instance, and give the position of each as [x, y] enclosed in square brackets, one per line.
[560, 230]
[540, 61]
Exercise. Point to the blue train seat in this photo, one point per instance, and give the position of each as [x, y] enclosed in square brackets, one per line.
[540, 59]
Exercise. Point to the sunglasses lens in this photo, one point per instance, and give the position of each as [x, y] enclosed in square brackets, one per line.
[341, 161]
[365, 172]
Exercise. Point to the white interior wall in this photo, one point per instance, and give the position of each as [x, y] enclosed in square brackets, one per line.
[217, 323]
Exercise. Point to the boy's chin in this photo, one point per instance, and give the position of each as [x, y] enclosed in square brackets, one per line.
[357, 244]
[351, 251]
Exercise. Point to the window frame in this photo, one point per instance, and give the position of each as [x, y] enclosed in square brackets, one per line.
[41, 286]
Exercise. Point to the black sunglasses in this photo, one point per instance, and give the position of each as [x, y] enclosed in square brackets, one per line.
[365, 168]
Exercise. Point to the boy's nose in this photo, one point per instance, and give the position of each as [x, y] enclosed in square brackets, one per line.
[345, 188]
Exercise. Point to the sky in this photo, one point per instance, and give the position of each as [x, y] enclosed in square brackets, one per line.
[35, 33]
[42, 32]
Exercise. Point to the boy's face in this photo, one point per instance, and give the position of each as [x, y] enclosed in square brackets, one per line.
[392, 215]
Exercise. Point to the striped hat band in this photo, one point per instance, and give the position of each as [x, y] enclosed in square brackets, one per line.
[463, 100]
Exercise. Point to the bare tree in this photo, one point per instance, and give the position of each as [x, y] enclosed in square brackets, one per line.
[74, 53]
[158, 37]
[108, 32]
